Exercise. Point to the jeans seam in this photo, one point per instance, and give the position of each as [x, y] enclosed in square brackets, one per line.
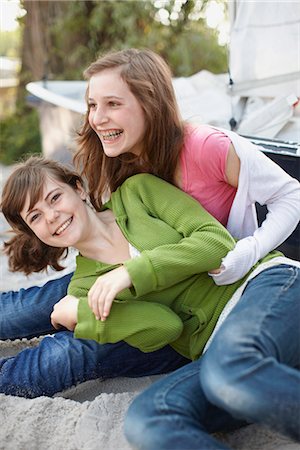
[289, 282]
[161, 405]
[294, 274]
[159, 400]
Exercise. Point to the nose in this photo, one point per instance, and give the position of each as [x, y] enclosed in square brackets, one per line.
[99, 116]
[51, 215]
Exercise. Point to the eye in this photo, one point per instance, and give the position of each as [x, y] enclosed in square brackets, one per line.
[55, 197]
[91, 105]
[113, 104]
[34, 217]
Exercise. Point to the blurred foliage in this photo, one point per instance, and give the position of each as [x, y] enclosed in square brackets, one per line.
[10, 43]
[19, 135]
[61, 38]
[176, 29]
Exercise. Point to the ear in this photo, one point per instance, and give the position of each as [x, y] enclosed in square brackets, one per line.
[81, 191]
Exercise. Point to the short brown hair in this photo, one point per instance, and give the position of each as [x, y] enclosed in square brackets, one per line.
[26, 253]
[149, 79]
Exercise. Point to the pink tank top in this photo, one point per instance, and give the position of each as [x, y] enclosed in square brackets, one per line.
[203, 162]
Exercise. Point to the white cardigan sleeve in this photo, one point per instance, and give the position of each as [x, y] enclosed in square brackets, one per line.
[262, 181]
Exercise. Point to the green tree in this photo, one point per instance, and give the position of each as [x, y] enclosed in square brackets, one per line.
[92, 27]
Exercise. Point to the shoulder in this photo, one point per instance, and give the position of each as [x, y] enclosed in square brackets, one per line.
[148, 189]
[205, 139]
[206, 149]
[203, 132]
[142, 180]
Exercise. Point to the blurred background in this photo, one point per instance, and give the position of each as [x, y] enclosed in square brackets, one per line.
[57, 40]
[235, 65]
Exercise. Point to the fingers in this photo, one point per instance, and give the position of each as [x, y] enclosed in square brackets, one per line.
[100, 301]
[105, 289]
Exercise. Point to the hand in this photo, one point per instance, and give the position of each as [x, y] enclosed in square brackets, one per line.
[65, 313]
[105, 289]
[216, 271]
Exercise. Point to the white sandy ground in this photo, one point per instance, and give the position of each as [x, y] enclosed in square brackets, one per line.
[89, 416]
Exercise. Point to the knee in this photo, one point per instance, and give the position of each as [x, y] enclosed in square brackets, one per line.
[223, 366]
[219, 389]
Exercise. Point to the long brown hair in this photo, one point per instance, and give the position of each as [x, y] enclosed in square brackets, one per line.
[26, 253]
[149, 79]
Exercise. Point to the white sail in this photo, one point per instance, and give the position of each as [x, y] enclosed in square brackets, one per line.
[265, 47]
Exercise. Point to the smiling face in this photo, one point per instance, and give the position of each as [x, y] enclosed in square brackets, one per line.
[59, 217]
[115, 114]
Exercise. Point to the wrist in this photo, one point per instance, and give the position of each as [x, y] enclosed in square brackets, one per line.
[126, 277]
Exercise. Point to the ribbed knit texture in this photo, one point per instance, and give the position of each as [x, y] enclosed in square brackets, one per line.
[173, 300]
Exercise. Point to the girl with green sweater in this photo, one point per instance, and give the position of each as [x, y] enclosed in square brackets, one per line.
[144, 263]
[143, 277]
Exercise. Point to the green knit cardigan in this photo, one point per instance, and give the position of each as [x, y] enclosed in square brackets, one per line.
[172, 300]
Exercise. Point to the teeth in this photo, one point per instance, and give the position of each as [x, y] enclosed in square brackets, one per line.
[63, 226]
[111, 135]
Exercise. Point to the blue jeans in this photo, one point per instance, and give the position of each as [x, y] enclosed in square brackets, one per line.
[60, 361]
[249, 374]
[26, 313]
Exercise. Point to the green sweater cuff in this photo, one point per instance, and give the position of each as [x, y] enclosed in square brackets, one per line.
[86, 327]
[147, 326]
[142, 275]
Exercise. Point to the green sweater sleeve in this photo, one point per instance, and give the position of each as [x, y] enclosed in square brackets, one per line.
[147, 326]
[203, 240]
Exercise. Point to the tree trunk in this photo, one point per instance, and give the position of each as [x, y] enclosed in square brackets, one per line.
[36, 42]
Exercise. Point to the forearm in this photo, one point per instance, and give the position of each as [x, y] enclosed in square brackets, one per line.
[168, 265]
[147, 326]
[264, 182]
[184, 238]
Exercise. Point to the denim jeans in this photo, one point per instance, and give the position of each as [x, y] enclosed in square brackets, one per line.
[26, 313]
[250, 373]
[60, 361]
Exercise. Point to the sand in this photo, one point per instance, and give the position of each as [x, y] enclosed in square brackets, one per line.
[89, 416]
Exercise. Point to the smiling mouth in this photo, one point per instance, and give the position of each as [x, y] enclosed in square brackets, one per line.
[110, 136]
[63, 227]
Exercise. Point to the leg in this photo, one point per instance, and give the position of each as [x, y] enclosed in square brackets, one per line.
[250, 368]
[61, 361]
[26, 313]
[174, 414]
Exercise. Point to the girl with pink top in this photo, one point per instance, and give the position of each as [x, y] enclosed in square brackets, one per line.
[133, 125]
